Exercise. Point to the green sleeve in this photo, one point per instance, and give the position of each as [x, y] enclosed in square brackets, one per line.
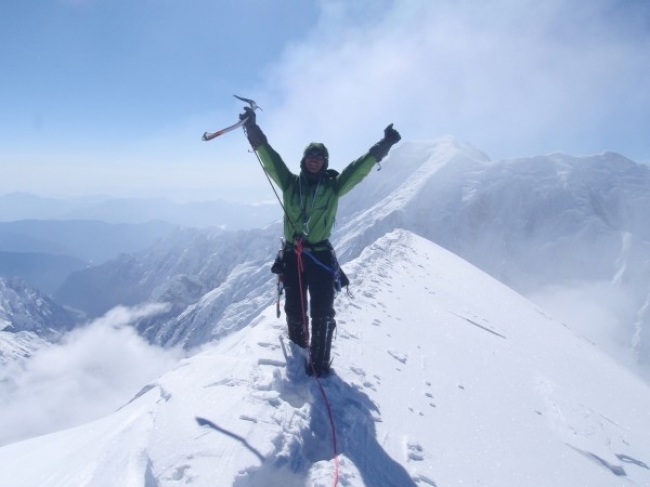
[354, 173]
[275, 166]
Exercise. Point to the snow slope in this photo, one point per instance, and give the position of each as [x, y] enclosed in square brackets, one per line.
[443, 377]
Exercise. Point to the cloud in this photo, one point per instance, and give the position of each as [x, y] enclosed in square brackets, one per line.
[599, 311]
[92, 372]
[513, 78]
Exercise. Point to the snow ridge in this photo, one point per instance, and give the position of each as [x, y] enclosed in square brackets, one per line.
[441, 375]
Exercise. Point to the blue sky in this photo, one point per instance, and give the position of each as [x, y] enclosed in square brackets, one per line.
[112, 96]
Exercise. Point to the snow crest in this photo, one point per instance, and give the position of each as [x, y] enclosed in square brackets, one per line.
[442, 375]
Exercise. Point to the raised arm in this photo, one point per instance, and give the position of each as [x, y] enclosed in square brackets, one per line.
[357, 170]
[271, 160]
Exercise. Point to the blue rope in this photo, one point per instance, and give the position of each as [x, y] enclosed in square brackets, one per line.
[331, 270]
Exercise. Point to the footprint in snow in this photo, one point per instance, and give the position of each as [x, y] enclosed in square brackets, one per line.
[400, 357]
[358, 371]
[414, 452]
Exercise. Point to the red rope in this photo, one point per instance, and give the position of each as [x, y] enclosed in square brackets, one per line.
[301, 268]
[313, 369]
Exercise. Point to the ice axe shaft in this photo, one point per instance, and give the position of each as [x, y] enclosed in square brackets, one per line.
[213, 135]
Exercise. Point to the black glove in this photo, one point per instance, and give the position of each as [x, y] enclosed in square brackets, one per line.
[249, 115]
[381, 148]
[391, 135]
[253, 132]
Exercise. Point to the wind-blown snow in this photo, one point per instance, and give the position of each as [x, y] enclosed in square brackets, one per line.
[443, 377]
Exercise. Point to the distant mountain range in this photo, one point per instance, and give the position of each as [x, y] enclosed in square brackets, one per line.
[91, 241]
[530, 222]
[47, 272]
[202, 214]
[45, 252]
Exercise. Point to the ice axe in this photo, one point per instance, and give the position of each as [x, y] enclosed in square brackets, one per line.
[209, 136]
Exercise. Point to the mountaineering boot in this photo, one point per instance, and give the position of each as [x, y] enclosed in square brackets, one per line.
[321, 345]
[297, 330]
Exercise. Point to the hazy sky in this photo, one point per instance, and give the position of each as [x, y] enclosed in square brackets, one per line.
[112, 96]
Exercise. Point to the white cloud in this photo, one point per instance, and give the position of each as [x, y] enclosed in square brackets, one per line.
[599, 311]
[513, 78]
[93, 371]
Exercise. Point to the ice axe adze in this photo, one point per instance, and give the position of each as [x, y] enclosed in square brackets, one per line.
[209, 136]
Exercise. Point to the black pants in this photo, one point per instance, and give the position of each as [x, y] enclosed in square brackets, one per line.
[313, 285]
[317, 279]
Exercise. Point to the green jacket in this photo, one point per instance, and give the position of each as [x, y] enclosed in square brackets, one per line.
[310, 208]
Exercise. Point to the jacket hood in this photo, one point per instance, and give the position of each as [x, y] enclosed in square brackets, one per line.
[320, 147]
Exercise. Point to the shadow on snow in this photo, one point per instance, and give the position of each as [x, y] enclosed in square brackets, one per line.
[296, 452]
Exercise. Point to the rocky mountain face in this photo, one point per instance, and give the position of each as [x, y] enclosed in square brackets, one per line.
[25, 309]
[200, 273]
[529, 222]
[532, 223]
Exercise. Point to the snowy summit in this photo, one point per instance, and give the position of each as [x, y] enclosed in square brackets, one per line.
[443, 376]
